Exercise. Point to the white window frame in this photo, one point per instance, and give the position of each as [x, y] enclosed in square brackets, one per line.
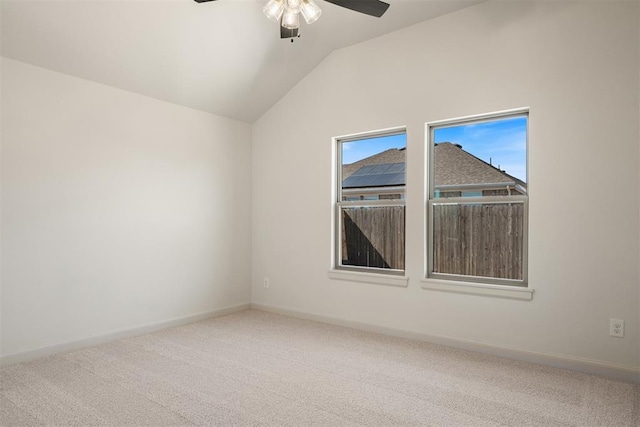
[386, 276]
[464, 283]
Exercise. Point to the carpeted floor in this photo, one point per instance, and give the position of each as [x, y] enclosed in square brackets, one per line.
[260, 369]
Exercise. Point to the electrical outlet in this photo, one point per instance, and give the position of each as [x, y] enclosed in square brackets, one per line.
[616, 328]
[265, 282]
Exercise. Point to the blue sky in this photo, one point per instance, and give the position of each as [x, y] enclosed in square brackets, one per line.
[502, 142]
[357, 150]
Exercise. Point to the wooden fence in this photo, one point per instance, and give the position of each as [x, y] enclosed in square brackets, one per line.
[483, 240]
[373, 237]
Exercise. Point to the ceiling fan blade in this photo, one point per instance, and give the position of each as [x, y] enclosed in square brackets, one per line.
[370, 7]
[203, 1]
[286, 33]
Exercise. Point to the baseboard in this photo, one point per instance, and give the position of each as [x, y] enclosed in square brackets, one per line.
[625, 373]
[23, 356]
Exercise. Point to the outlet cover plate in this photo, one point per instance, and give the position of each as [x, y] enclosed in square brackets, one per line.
[616, 328]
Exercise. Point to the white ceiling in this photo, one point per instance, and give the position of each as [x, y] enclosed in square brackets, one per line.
[224, 57]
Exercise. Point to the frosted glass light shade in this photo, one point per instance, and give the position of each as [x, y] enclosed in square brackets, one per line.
[274, 9]
[310, 11]
[291, 19]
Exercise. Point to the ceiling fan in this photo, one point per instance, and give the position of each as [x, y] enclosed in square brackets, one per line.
[288, 12]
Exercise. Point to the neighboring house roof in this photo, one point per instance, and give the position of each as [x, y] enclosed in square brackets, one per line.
[454, 167]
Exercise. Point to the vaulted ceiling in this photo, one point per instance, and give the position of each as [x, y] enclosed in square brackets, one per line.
[223, 57]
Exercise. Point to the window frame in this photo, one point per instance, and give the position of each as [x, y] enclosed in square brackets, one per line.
[431, 201]
[339, 204]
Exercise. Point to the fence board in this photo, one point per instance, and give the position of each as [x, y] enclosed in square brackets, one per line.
[373, 237]
[483, 240]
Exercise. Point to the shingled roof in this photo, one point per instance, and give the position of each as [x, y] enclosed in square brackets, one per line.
[453, 166]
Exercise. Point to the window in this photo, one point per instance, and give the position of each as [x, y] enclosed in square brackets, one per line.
[477, 206]
[370, 202]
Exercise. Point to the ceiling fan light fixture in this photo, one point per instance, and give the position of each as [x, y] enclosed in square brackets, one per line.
[274, 9]
[291, 18]
[310, 11]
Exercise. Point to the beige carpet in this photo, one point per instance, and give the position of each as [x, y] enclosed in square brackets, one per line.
[259, 369]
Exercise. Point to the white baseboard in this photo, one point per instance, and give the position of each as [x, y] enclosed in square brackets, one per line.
[23, 356]
[625, 373]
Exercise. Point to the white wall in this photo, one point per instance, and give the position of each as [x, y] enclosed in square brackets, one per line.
[576, 65]
[117, 210]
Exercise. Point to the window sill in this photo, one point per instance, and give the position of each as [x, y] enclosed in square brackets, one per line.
[500, 291]
[376, 279]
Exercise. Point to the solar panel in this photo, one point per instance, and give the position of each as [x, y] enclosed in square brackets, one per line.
[383, 175]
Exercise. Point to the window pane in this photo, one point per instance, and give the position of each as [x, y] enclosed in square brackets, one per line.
[480, 239]
[486, 158]
[373, 168]
[373, 237]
